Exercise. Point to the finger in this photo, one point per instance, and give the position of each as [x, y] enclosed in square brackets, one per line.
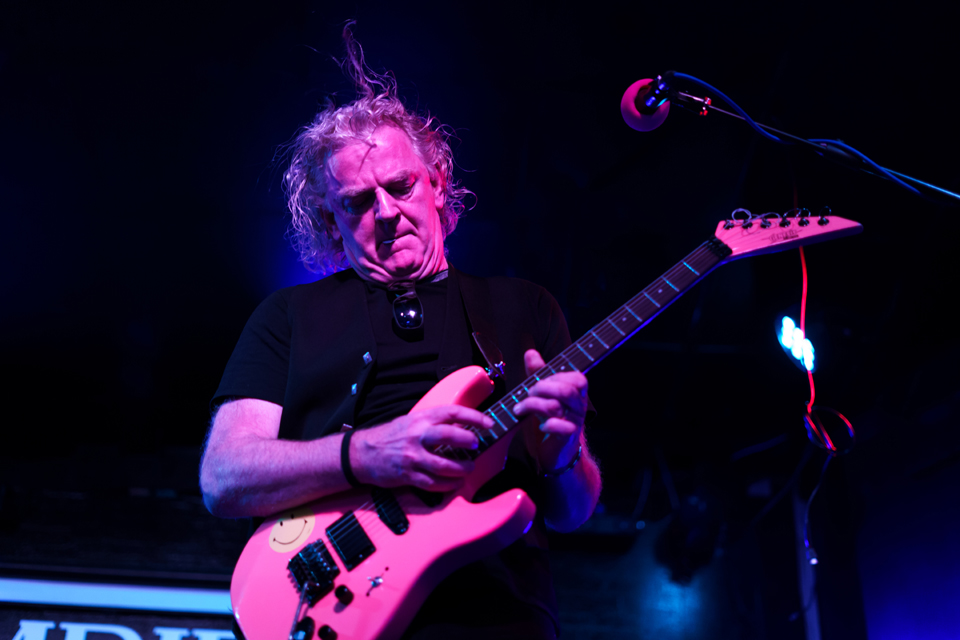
[449, 435]
[445, 467]
[570, 391]
[559, 427]
[532, 361]
[572, 378]
[455, 414]
[543, 407]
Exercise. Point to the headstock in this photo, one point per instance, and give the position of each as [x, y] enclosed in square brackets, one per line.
[751, 235]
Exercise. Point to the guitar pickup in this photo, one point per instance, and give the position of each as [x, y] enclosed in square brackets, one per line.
[350, 541]
[389, 510]
[313, 571]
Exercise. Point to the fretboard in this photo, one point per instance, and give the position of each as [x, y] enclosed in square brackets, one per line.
[613, 331]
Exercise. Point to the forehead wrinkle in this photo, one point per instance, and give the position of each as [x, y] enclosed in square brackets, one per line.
[331, 169]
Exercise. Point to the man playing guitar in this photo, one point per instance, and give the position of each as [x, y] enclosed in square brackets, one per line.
[316, 397]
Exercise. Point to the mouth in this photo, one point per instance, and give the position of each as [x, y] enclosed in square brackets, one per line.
[295, 538]
[388, 243]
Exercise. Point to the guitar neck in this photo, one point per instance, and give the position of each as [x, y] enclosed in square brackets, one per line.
[613, 331]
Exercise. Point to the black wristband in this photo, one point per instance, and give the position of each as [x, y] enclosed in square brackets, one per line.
[345, 460]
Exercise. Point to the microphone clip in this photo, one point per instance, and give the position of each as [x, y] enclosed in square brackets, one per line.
[652, 96]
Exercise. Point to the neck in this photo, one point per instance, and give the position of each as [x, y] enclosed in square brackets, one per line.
[427, 269]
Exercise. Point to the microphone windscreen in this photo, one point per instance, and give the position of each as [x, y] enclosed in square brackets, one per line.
[633, 117]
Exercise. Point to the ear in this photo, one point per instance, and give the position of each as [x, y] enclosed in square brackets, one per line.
[439, 190]
[330, 221]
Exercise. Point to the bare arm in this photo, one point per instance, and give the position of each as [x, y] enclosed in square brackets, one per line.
[247, 471]
[560, 403]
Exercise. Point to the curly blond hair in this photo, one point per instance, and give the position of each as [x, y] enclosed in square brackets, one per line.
[335, 127]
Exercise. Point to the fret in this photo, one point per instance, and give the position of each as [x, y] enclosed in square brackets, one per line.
[584, 352]
[493, 414]
[509, 412]
[569, 364]
[689, 267]
[639, 319]
[605, 345]
[612, 324]
[595, 349]
[670, 283]
[651, 299]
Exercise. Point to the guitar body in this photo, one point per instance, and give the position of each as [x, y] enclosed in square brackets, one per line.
[437, 540]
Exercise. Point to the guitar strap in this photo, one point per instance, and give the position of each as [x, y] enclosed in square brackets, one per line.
[478, 304]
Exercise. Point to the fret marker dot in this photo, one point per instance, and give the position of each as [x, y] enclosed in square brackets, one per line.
[659, 290]
[590, 345]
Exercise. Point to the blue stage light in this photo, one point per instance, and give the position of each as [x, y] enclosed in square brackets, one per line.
[795, 344]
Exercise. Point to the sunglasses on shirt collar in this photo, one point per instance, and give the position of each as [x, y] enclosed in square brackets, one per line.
[407, 310]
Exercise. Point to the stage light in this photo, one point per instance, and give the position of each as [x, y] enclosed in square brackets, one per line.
[795, 344]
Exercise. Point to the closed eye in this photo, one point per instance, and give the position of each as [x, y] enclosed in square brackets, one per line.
[402, 188]
[356, 205]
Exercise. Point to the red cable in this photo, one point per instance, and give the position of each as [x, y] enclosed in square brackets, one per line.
[817, 429]
[803, 326]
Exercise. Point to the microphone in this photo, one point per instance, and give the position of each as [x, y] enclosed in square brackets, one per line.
[645, 103]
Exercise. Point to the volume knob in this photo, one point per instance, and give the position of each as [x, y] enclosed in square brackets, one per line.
[344, 595]
[326, 633]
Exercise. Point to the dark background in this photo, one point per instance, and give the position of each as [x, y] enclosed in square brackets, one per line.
[142, 221]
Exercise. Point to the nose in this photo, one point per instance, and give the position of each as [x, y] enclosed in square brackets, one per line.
[385, 207]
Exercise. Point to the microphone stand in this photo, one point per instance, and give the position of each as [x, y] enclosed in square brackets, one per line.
[702, 106]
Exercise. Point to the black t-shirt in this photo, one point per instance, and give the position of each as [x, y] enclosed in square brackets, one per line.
[330, 353]
[406, 366]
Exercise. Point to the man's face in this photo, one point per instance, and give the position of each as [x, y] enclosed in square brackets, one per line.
[385, 208]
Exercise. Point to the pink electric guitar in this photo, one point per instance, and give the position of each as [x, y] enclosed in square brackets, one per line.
[359, 564]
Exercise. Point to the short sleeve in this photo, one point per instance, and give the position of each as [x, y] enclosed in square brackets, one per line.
[259, 365]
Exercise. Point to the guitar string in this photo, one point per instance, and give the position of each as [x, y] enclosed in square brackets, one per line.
[367, 516]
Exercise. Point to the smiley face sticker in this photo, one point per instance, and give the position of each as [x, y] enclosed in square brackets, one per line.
[292, 530]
